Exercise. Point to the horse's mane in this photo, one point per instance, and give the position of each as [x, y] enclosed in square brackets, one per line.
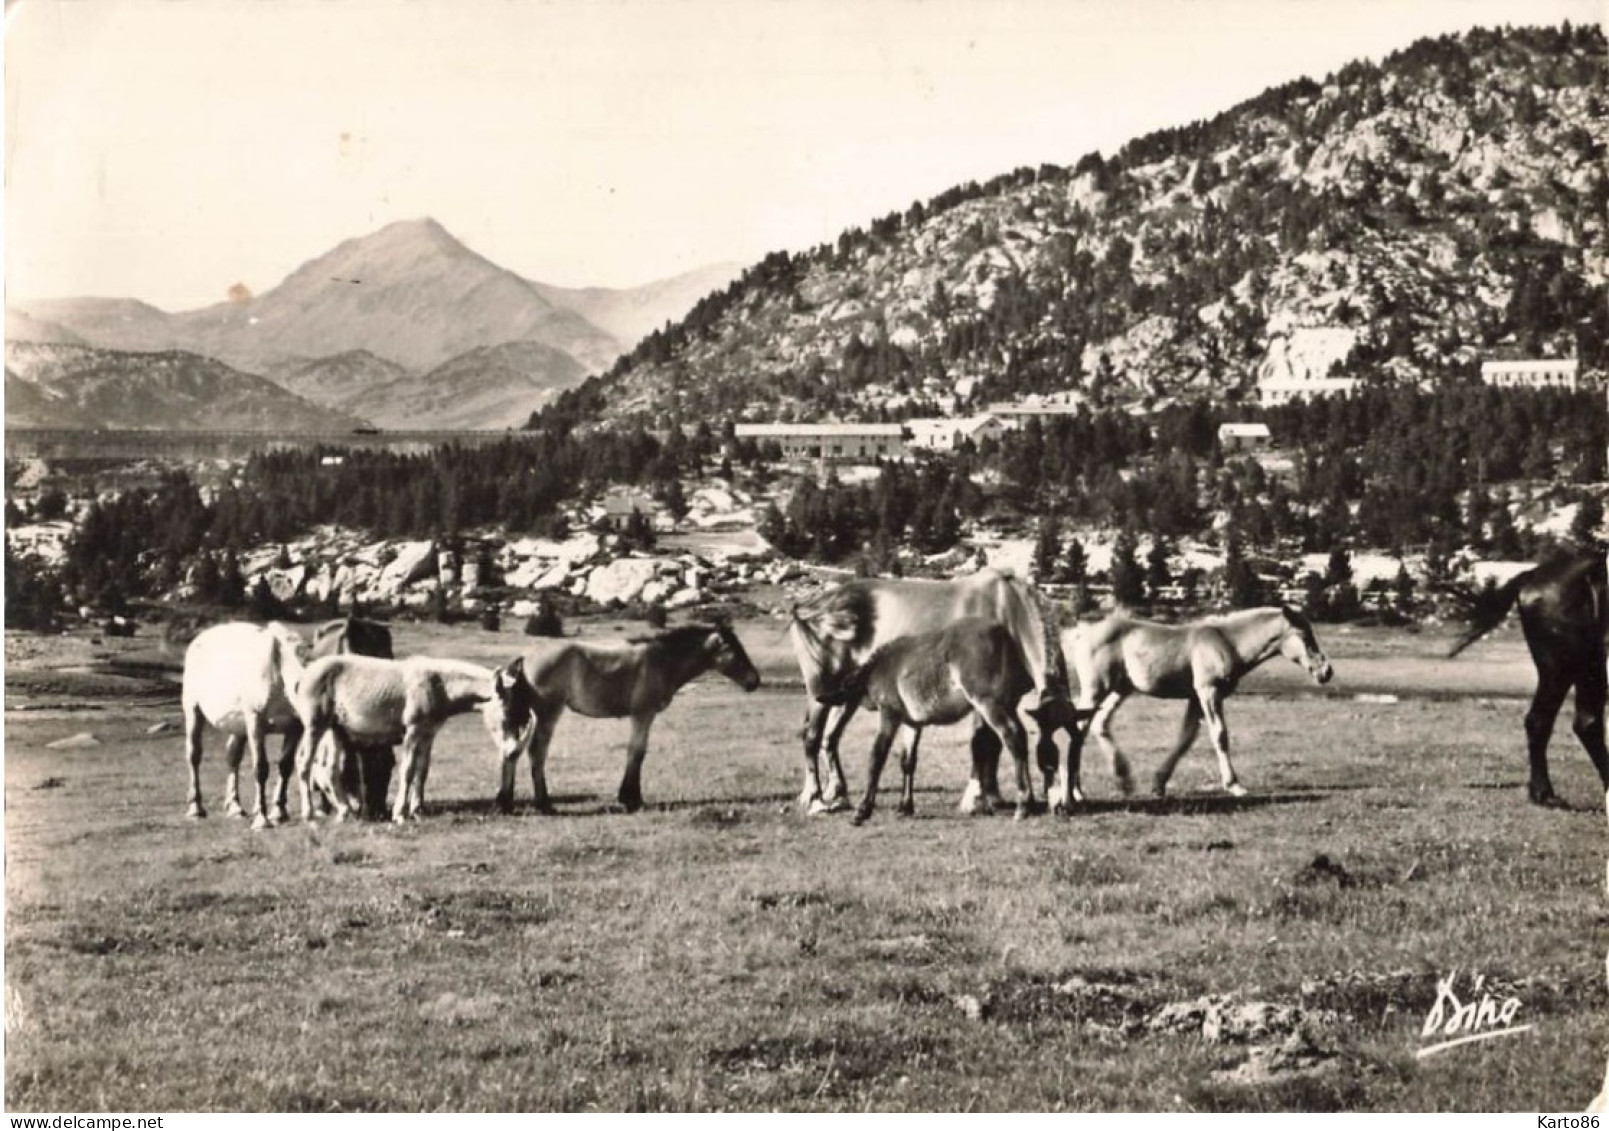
[681, 636]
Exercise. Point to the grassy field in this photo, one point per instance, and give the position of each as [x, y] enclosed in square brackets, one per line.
[719, 951]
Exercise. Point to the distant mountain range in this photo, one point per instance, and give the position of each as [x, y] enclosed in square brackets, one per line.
[405, 327]
[50, 385]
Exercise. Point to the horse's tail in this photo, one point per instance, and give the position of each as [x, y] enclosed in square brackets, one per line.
[1486, 610]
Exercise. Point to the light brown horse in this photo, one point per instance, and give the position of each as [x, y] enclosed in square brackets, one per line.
[350, 701]
[1201, 662]
[972, 667]
[634, 680]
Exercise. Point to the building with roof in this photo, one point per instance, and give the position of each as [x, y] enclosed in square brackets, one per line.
[1239, 437]
[1532, 373]
[829, 441]
[947, 433]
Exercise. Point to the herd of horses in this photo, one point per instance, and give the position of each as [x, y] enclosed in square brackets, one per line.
[918, 652]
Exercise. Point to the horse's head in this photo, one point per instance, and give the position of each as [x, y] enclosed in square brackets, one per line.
[728, 657]
[508, 713]
[1300, 646]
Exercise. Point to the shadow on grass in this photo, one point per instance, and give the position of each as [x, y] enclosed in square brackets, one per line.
[1197, 805]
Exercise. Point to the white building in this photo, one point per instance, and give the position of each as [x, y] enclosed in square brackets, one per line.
[1283, 390]
[829, 441]
[1239, 437]
[1532, 373]
[947, 433]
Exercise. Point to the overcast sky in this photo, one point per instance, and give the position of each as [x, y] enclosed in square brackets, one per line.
[167, 150]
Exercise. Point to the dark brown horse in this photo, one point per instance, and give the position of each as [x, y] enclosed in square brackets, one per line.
[974, 667]
[634, 680]
[1564, 613]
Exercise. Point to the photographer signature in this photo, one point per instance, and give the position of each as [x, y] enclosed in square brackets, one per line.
[1477, 1017]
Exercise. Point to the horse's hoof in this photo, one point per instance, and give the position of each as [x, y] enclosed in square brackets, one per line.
[1061, 809]
[1159, 787]
[972, 800]
[1549, 800]
[907, 809]
[1125, 784]
[1235, 789]
[861, 817]
[1022, 811]
[233, 809]
[280, 815]
[195, 812]
[260, 822]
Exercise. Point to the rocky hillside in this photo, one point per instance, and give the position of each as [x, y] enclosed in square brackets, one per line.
[1410, 217]
[61, 386]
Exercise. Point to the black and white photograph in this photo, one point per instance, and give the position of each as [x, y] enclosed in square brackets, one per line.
[805, 556]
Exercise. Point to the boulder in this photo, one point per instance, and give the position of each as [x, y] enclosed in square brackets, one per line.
[285, 584]
[621, 580]
[414, 560]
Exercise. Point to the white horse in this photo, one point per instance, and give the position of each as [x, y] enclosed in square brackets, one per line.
[349, 700]
[239, 677]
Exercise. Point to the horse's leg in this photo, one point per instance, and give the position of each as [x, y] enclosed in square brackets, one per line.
[982, 793]
[421, 772]
[1590, 693]
[886, 730]
[1212, 706]
[234, 749]
[907, 765]
[541, 739]
[1006, 724]
[194, 724]
[407, 772]
[1189, 727]
[1101, 724]
[815, 725]
[636, 750]
[287, 768]
[1552, 686]
[257, 744]
[835, 793]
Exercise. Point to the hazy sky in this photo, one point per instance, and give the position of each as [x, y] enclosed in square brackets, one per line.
[166, 150]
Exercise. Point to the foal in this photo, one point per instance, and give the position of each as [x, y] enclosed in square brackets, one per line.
[1200, 662]
[973, 666]
[635, 680]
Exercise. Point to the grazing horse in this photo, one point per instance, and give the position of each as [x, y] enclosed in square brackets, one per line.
[239, 677]
[1564, 613]
[837, 630]
[636, 679]
[369, 773]
[361, 700]
[972, 667]
[1200, 662]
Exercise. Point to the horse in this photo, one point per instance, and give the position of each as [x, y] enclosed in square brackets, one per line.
[349, 700]
[972, 667]
[840, 628]
[369, 773]
[238, 677]
[1201, 662]
[635, 680]
[1564, 615]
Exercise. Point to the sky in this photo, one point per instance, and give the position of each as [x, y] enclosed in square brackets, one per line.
[167, 150]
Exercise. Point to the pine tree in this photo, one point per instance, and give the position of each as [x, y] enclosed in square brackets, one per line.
[1128, 582]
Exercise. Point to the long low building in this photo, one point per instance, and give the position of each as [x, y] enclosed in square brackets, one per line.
[829, 441]
[1532, 373]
